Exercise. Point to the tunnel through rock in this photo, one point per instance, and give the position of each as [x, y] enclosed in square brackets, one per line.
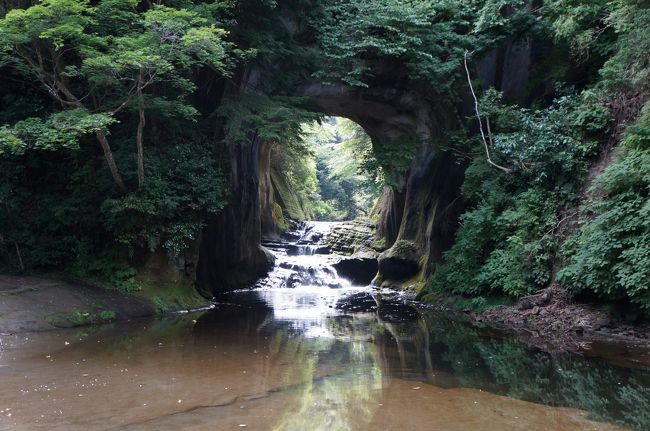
[330, 174]
[418, 205]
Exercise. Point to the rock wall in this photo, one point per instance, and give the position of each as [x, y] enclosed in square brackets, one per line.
[158, 268]
[266, 191]
[231, 255]
[420, 216]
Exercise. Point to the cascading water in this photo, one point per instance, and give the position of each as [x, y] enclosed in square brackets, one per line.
[304, 287]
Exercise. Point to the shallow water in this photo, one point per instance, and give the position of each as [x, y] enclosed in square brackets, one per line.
[279, 358]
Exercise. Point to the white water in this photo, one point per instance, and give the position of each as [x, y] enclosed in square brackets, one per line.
[304, 287]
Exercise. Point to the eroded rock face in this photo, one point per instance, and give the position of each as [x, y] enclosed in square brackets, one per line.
[400, 262]
[359, 269]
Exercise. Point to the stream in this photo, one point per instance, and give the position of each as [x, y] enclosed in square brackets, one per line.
[308, 350]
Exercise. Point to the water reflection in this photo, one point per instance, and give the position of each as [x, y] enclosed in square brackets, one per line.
[319, 355]
[238, 365]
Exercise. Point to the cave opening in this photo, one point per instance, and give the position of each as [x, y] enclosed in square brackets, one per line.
[329, 173]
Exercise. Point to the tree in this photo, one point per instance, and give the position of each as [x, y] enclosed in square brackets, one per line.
[98, 61]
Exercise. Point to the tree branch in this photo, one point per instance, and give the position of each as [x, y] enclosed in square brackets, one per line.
[480, 124]
[139, 133]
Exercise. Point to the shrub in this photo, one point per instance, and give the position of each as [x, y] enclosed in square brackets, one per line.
[504, 244]
[611, 254]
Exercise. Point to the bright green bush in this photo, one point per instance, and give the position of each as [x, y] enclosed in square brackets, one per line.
[504, 244]
[611, 254]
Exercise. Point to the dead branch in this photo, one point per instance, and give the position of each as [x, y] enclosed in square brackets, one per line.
[480, 123]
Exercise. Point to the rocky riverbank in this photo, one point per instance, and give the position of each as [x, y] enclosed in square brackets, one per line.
[553, 320]
[41, 304]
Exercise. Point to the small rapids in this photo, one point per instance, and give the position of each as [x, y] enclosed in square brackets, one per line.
[304, 288]
[305, 262]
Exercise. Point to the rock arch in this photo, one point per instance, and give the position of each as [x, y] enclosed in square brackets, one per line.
[421, 211]
[421, 215]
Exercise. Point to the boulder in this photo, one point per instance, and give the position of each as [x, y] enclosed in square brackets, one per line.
[359, 269]
[400, 262]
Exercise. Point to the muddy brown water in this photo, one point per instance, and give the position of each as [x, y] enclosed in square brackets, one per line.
[243, 366]
[278, 358]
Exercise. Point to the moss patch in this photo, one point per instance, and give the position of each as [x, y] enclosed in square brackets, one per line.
[81, 318]
[379, 244]
[416, 284]
[479, 303]
[173, 297]
[403, 248]
[278, 217]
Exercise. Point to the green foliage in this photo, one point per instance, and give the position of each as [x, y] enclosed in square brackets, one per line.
[508, 239]
[550, 146]
[277, 119]
[361, 38]
[162, 306]
[60, 130]
[294, 178]
[611, 254]
[615, 30]
[319, 176]
[389, 161]
[183, 187]
[99, 64]
[505, 244]
[341, 148]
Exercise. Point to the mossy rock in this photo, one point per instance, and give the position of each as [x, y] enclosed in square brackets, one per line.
[171, 297]
[400, 262]
[278, 218]
[76, 318]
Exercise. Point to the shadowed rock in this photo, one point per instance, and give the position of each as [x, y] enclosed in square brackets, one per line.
[399, 262]
[359, 269]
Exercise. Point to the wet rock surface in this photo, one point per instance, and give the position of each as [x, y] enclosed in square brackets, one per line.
[389, 306]
[358, 269]
[399, 262]
[351, 237]
[38, 304]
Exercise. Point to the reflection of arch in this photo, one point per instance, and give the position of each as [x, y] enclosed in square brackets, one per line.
[411, 339]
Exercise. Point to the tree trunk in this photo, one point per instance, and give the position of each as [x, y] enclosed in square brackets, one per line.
[20, 257]
[108, 154]
[140, 150]
[138, 138]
